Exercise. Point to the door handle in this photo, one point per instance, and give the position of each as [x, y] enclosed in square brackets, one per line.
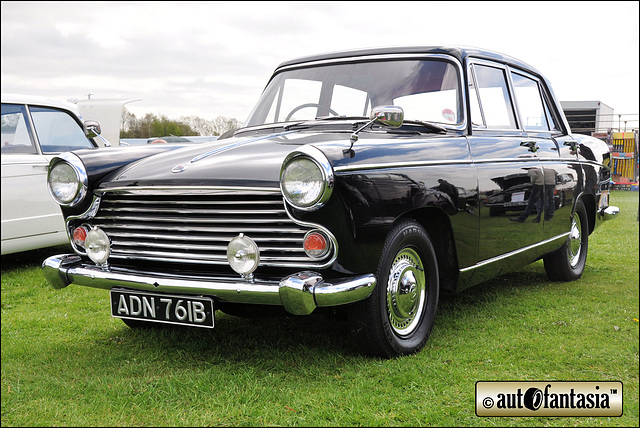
[533, 146]
[573, 144]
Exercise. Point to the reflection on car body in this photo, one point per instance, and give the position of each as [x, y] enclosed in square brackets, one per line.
[366, 181]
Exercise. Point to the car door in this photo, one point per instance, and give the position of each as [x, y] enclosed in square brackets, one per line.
[510, 174]
[561, 170]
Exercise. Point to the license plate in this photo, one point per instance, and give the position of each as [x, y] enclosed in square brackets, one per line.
[162, 308]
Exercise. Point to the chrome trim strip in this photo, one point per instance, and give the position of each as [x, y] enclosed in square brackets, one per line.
[202, 190]
[332, 238]
[407, 164]
[515, 252]
[410, 164]
[90, 213]
[203, 229]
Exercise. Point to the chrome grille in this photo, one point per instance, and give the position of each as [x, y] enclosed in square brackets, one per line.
[195, 227]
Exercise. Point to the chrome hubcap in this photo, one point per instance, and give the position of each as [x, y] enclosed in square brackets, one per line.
[406, 292]
[575, 241]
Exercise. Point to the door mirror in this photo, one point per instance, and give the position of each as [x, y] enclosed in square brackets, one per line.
[92, 128]
[391, 116]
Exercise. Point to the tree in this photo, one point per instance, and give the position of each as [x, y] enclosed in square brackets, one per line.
[216, 126]
[153, 126]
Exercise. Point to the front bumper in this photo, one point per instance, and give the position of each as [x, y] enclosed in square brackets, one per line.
[299, 294]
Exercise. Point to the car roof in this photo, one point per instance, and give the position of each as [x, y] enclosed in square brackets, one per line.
[459, 52]
[38, 100]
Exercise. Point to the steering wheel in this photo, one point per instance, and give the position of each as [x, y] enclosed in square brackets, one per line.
[301, 106]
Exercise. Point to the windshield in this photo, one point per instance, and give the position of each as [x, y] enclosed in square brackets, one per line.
[427, 90]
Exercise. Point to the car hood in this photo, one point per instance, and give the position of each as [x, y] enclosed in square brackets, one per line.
[247, 161]
[256, 160]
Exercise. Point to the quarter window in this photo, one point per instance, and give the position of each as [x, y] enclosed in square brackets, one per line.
[495, 100]
[530, 103]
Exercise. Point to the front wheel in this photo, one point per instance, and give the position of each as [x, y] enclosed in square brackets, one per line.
[567, 263]
[398, 317]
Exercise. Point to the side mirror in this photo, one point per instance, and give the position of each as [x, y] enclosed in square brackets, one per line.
[391, 116]
[92, 128]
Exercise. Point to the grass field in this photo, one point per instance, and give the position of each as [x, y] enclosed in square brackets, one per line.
[65, 361]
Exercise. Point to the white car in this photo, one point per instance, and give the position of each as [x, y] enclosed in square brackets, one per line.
[34, 129]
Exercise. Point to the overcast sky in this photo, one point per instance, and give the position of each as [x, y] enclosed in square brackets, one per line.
[212, 59]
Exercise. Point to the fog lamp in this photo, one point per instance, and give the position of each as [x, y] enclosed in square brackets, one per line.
[97, 245]
[243, 255]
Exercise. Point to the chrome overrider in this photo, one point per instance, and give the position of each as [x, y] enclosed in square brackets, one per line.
[299, 293]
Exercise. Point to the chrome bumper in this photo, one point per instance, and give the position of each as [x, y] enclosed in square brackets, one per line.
[609, 213]
[299, 294]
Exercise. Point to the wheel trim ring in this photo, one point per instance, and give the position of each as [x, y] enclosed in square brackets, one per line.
[406, 302]
[575, 241]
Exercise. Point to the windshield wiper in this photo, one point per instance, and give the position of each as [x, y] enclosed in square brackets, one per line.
[432, 126]
[319, 121]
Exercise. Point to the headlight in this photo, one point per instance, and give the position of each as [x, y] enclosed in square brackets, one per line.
[67, 180]
[306, 179]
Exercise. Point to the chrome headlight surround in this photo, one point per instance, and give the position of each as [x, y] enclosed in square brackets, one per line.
[67, 180]
[306, 179]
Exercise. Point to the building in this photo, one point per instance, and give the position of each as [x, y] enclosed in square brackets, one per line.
[589, 117]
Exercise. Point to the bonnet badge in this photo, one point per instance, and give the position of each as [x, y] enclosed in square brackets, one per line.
[178, 168]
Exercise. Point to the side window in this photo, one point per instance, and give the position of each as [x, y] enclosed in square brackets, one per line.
[495, 100]
[57, 131]
[531, 106]
[16, 137]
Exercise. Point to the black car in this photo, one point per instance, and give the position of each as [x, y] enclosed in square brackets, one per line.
[367, 180]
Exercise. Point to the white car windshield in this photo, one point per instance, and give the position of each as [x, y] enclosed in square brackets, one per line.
[427, 90]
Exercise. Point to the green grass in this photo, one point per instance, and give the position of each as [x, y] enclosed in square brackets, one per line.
[65, 361]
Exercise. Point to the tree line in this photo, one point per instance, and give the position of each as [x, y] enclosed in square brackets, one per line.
[161, 126]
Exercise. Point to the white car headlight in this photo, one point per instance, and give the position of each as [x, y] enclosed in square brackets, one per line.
[306, 179]
[67, 180]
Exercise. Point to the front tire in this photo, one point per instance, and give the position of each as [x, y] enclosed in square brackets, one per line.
[398, 317]
[567, 263]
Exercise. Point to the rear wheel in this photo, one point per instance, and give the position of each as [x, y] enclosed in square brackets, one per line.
[567, 263]
[398, 317]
